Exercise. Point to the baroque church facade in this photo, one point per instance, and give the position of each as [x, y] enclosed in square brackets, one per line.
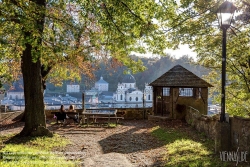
[128, 95]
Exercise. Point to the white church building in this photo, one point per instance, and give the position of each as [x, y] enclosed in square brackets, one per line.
[128, 96]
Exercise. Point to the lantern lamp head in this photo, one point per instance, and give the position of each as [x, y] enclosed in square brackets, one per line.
[225, 14]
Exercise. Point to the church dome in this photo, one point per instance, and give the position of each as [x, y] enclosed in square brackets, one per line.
[101, 81]
[128, 78]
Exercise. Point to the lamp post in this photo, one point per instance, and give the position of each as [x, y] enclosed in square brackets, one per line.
[225, 15]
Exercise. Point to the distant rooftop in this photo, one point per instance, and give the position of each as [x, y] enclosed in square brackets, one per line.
[107, 93]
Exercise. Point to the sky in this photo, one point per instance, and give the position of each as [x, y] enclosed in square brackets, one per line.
[183, 50]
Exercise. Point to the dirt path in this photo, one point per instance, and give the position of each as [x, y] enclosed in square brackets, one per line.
[131, 140]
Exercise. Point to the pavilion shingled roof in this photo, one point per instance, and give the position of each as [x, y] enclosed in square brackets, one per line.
[179, 76]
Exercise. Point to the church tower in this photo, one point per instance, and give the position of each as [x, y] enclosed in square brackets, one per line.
[148, 93]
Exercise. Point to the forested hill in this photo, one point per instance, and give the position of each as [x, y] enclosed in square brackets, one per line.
[155, 68]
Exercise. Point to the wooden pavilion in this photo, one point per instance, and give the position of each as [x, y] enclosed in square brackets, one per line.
[179, 89]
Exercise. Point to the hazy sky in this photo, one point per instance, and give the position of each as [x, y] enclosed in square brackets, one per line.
[183, 50]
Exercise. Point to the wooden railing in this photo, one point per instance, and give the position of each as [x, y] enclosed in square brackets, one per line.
[191, 108]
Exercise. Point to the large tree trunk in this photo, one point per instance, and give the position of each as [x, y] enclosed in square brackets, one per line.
[35, 121]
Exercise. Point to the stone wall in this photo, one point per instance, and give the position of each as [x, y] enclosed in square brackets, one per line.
[239, 129]
[127, 113]
[134, 113]
[203, 123]
[240, 133]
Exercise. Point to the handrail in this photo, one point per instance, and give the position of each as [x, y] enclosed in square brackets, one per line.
[193, 109]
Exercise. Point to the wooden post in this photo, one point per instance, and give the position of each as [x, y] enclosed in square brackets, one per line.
[143, 105]
[161, 101]
[83, 101]
[154, 100]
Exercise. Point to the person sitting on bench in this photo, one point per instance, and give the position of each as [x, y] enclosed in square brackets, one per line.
[74, 117]
[61, 115]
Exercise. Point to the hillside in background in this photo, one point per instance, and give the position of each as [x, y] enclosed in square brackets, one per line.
[155, 67]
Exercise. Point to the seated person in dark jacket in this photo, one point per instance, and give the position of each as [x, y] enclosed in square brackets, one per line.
[75, 116]
[61, 115]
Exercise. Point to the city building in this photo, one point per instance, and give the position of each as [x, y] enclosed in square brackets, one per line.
[74, 88]
[16, 91]
[128, 95]
[102, 85]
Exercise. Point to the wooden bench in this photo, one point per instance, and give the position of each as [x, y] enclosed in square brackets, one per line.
[101, 113]
[94, 114]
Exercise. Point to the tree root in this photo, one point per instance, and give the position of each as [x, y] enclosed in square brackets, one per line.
[34, 132]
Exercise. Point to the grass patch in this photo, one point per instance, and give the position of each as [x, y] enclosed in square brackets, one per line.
[33, 151]
[112, 125]
[53, 123]
[187, 150]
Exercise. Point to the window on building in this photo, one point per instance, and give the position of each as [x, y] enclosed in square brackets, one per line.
[121, 97]
[187, 92]
[148, 97]
[166, 91]
[136, 99]
[130, 99]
